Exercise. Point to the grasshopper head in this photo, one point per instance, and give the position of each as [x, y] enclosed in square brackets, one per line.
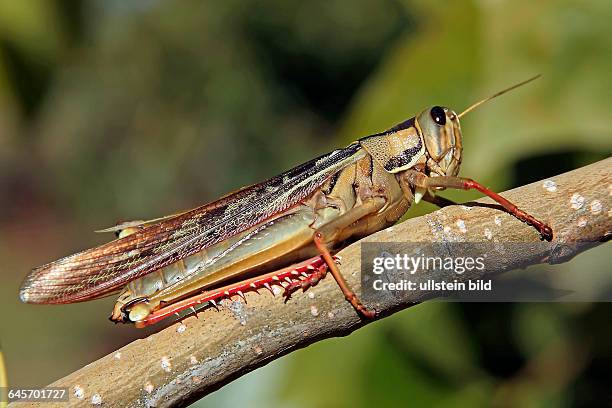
[440, 130]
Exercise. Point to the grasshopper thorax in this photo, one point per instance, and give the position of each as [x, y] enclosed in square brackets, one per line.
[441, 133]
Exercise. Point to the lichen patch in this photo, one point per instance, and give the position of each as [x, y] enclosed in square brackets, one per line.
[576, 201]
[79, 393]
[314, 310]
[96, 399]
[148, 387]
[596, 207]
[549, 186]
[166, 365]
[461, 226]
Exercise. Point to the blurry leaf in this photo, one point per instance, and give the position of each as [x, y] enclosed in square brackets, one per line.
[568, 44]
[32, 26]
[538, 325]
[434, 331]
[436, 65]
[331, 372]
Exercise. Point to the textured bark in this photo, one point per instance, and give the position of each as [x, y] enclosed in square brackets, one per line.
[186, 361]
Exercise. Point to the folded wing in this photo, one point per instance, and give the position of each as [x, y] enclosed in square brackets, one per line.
[99, 271]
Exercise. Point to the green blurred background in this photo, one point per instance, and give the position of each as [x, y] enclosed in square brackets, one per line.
[134, 109]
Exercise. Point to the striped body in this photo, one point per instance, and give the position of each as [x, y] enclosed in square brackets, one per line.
[258, 228]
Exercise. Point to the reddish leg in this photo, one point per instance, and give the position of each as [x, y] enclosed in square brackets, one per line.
[333, 269]
[307, 280]
[421, 180]
[284, 278]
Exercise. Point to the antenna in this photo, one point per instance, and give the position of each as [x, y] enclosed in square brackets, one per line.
[477, 104]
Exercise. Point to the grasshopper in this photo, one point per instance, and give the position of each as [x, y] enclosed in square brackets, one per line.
[300, 217]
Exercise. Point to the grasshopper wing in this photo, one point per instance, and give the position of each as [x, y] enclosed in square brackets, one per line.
[100, 271]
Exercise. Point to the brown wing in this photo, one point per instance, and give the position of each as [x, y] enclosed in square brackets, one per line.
[99, 271]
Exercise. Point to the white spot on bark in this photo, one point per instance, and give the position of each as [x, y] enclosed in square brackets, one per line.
[166, 365]
[96, 399]
[78, 392]
[181, 328]
[488, 234]
[582, 222]
[311, 295]
[461, 226]
[149, 387]
[549, 186]
[314, 310]
[576, 201]
[193, 360]
[118, 355]
[596, 206]
[330, 315]
[239, 311]
[447, 229]
[497, 220]
[276, 290]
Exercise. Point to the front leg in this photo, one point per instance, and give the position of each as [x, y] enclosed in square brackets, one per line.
[422, 181]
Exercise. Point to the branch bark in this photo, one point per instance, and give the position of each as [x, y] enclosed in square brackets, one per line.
[187, 361]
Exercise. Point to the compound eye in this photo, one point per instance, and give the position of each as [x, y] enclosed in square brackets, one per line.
[438, 115]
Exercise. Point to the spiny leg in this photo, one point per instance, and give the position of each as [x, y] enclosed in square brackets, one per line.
[333, 269]
[421, 180]
[309, 280]
[328, 233]
[211, 297]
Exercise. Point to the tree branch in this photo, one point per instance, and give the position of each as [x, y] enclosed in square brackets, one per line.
[186, 361]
